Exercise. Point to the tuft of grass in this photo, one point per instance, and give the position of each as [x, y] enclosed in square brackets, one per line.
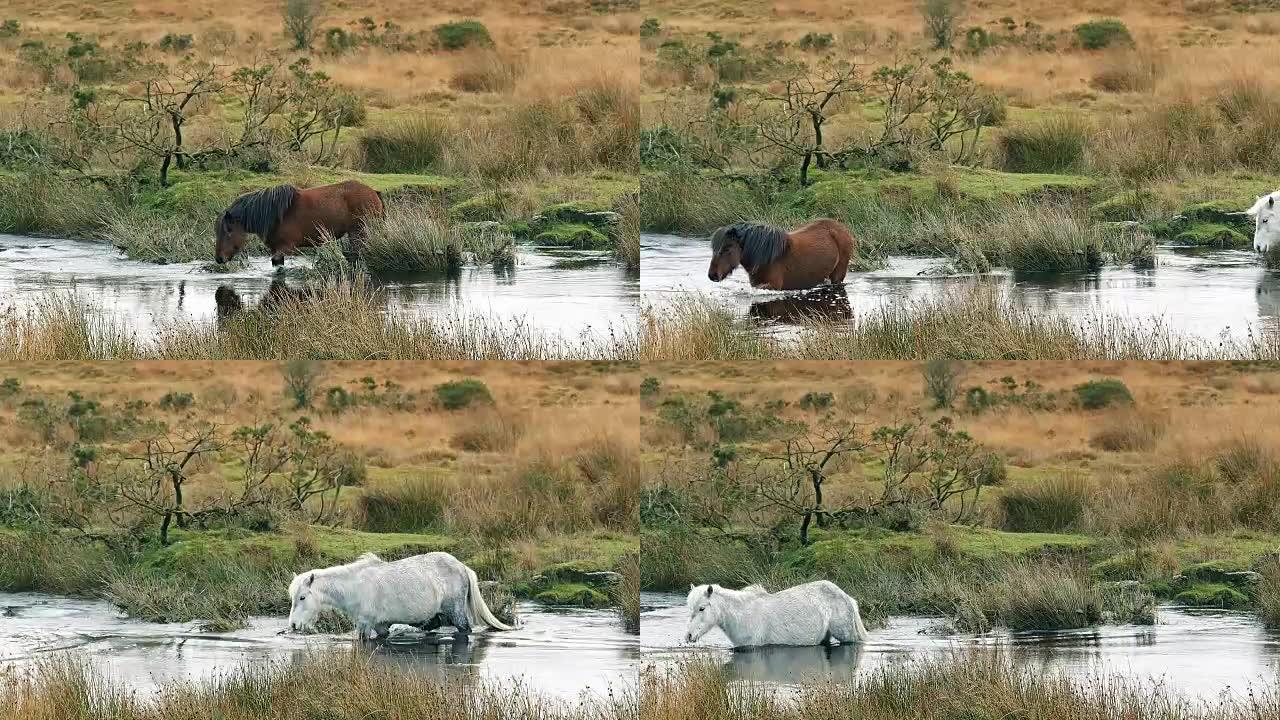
[413, 238]
[414, 505]
[1129, 431]
[626, 234]
[1053, 505]
[416, 143]
[1054, 144]
[626, 594]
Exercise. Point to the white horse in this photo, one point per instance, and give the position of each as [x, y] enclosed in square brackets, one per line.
[1266, 230]
[377, 594]
[815, 613]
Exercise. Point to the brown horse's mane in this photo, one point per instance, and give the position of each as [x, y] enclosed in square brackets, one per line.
[761, 244]
[262, 210]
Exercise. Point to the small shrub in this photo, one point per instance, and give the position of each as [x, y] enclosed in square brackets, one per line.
[300, 376]
[490, 432]
[301, 18]
[458, 394]
[816, 401]
[1053, 505]
[940, 20]
[176, 401]
[1097, 394]
[649, 387]
[650, 27]
[459, 35]
[172, 42]
[816, 41]
[942, 380]
[1099, 34]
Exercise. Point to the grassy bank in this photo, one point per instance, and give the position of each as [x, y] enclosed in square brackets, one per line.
[339, 685]
[975, 685]
[980, 323]
[194, 491]
[1027, 496]
[340, 319]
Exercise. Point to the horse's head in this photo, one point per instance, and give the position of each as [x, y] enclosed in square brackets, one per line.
[305, 602]
[726, 252]
[1266, 230]
[704, 612]
[230, 235]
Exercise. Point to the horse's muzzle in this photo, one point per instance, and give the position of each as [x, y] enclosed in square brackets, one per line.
[711, 275]
[220, 260]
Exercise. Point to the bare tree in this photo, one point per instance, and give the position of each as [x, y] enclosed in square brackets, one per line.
[940, 20]
[934, 463]
[152, 121]
[793, 120]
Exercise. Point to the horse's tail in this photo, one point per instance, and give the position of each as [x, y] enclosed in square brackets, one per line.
[858, 627]
[479, 610]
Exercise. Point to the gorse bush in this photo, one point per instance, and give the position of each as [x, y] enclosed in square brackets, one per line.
[1097, 394]
[458, 394]
[463, 34]
[1099, 34]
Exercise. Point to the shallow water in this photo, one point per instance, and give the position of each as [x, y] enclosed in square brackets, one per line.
[566, 292]
[1199, 653]
[558, 652]
[1205, 293]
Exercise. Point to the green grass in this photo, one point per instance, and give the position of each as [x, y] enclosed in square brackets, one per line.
[411, 238]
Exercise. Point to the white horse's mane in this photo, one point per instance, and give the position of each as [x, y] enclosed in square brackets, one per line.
[1257, 206]
[755, 589]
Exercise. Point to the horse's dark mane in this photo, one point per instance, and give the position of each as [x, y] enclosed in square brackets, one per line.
[761, 244]
[261, 211]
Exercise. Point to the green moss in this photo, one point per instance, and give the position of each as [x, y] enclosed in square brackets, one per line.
[573, 235]
[1212, 595]
[1211, 235]
[483, 206]
[572, 594]
[1216, 571]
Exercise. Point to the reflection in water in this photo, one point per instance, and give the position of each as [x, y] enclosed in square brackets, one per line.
[534, 287]
[1202, 292]
[1199, 653]
[829, 303]
[561, 652]
[795, 664]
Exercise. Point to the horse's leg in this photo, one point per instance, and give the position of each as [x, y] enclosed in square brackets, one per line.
[842, 265]
[460, 619]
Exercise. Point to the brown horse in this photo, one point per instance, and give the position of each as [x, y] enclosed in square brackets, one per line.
[779, 260]
[287, 218]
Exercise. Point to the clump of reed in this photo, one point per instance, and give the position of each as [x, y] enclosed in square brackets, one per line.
[941, 689]
[343, 685]
[414, 143]
[978, 323]
[414, 237]
[346, 318]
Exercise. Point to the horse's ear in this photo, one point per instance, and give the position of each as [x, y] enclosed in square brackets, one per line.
[1271, 201]
[692, 586]
[310, 579]
[709, 591]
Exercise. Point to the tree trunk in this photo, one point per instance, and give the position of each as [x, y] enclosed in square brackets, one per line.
[164, 169]
[818, 151]
[164, 528]
[177, 140]
[181, 516]
[804, 169]
[804, 528]
[816, 478]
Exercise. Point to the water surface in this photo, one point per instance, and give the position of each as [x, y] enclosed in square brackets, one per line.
[562, 291]
[1199, 653]
[1201, 292]
[555, 651]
